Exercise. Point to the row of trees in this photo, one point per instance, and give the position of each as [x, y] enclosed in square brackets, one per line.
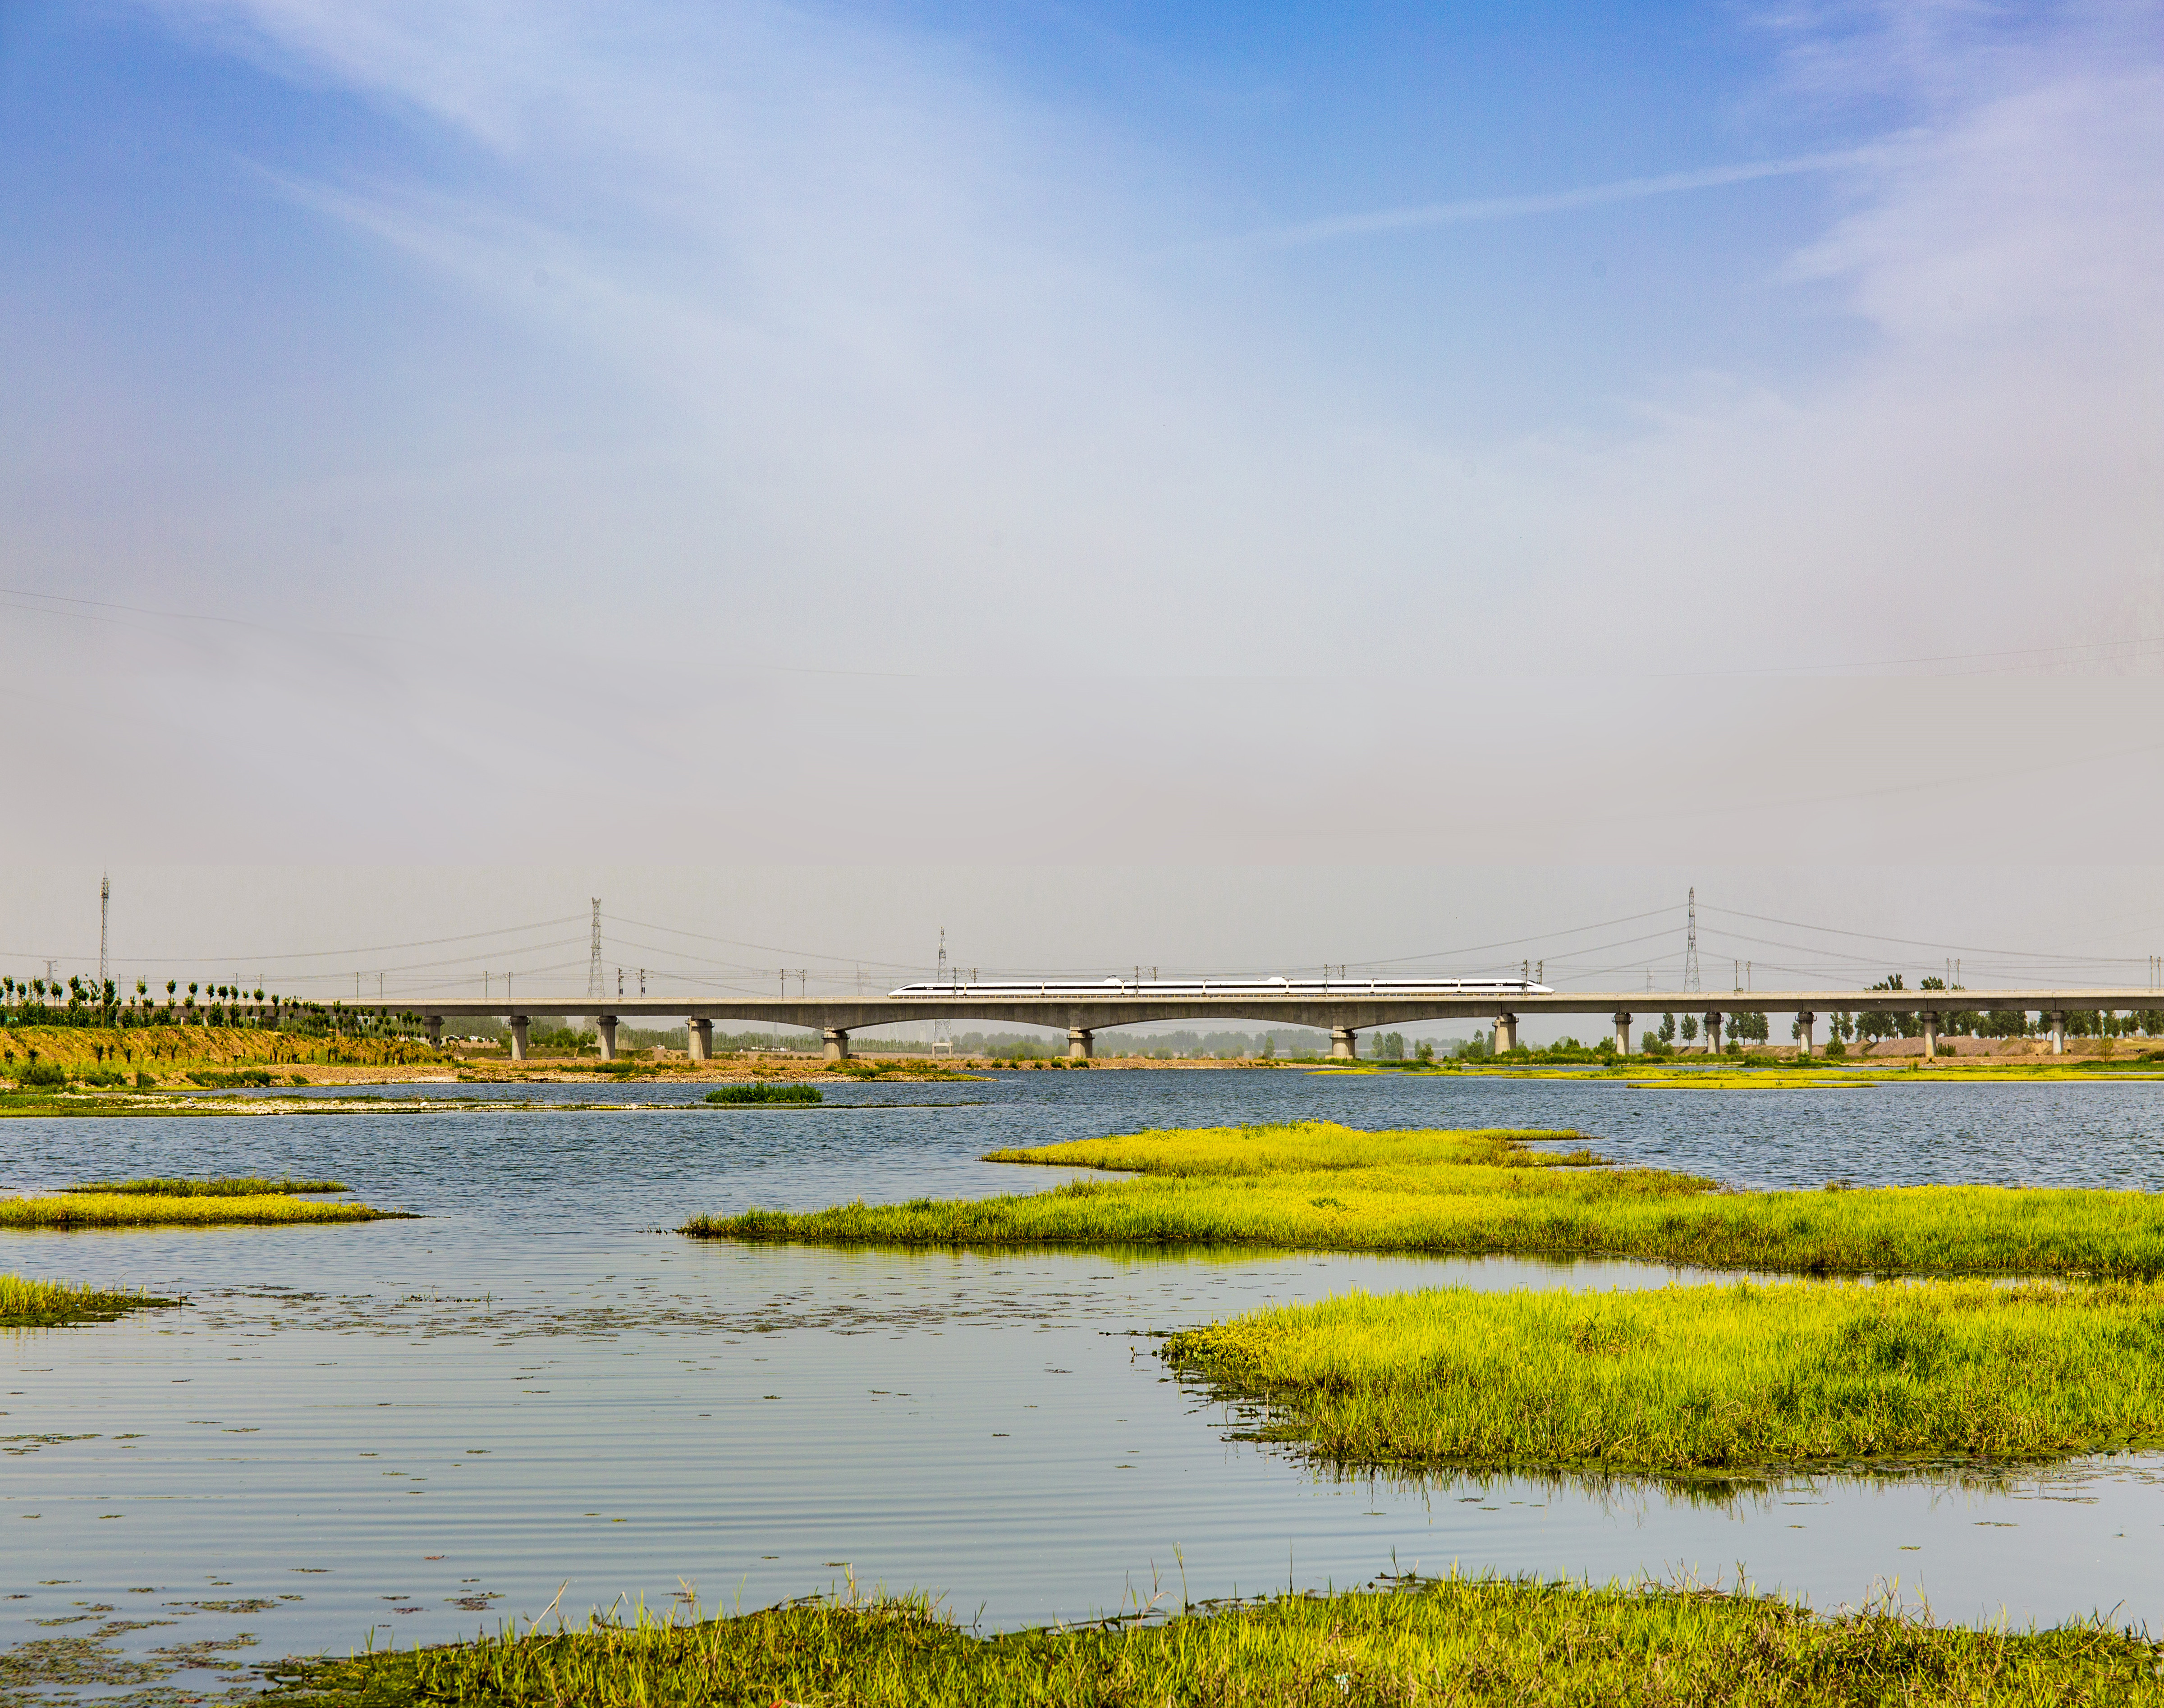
[1844, 1028]
[89, 1002]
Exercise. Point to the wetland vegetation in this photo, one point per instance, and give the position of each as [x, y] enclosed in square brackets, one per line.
[32, 1304]
[1317, 1186]
[131, 1208]
[227, 1186]
[767, 1091]
[1692, 1381]
[1451, 1641]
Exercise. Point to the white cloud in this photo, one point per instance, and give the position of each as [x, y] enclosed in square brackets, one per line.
[908, 386]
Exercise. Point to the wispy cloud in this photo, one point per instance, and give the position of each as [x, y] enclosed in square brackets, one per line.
[1387, 220]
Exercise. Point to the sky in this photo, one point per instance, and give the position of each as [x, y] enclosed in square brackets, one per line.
[1240, 466]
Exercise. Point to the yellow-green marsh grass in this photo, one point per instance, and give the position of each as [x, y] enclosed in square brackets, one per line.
[1710, 1379]
[72, 1210]
[1457, 1641]
[1317, 1186]
[230, 1186]
[28, 1304]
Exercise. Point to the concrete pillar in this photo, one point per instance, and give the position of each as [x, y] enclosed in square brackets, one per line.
[434, 1023]
[699, 1034]
[838, 1043]
[518, 1038]
[1506, 1034]
[1804, 1022]
[2058, 1019]
[1080, 1044]
[1342, 1048]
[605, 1030]
[1930, 1034]
[1713, 1032]
[1622, 1034]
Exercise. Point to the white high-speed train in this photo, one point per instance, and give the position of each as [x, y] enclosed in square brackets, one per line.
[1018, 990]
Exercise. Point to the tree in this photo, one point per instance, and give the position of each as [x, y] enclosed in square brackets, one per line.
[1668, 1033]
[1690, 1028]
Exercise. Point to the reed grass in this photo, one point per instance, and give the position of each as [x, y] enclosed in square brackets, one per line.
[1705, 1379]
[228, 1186]
[1323, 1187]
[1455, 1641]
[29, 1303]
[766, 1092]
[79, 1210]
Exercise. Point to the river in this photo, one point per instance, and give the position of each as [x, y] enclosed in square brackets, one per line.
[537, 1395]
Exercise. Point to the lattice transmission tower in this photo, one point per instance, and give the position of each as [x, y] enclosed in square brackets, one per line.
[1690, 944]
[942, 1031]
[594, 958]
[104, 905]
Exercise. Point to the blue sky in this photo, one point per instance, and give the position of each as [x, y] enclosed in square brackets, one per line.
[1303, 432]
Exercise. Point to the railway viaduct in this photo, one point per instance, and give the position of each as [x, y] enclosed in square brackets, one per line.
[1344, 1017]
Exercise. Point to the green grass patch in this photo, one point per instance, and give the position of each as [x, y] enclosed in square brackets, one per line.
[228, 1186]
[769, 1092]
[233, 1080]
[1319, 1186]
[134, 1209]
[1689, 1380]
[1456, 1641]
[27, 1304]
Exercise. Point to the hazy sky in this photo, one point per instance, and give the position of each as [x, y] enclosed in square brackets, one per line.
[1521, 459]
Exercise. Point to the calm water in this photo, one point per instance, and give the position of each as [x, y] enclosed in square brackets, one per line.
[418, 1427]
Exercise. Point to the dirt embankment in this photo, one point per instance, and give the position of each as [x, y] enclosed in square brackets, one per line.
[174, 1052]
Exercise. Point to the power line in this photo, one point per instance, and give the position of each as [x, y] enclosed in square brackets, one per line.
[327, 954]
[765, 948]
[1915, 943]
[1516, 942]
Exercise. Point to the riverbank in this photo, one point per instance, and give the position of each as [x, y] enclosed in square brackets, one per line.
[1456, 1640]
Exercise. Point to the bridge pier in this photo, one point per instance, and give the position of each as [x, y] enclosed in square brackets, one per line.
[1622, 1034]
[1080, 1044]
[1713, 1032]
[434, 1023]
[518, 1038]
[605, 1030]
[1805, 1020]
[2057, 1017]
[699, 1038]
[838, 1043]
[1343, 1046]
[1506, 1034]
[1930, 1034]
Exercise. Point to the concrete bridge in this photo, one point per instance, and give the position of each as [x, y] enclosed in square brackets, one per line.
[1344, 1017]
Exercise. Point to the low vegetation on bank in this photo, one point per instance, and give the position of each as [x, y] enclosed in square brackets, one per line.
[1455, 1641]
[132, 1207]
[28, 1304]
[1691, 1380]
[1323, 1187]
[769, 1092]
[227, 1186]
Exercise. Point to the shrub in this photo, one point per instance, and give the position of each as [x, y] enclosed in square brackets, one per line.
[766, 1094]
[48, 1074]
